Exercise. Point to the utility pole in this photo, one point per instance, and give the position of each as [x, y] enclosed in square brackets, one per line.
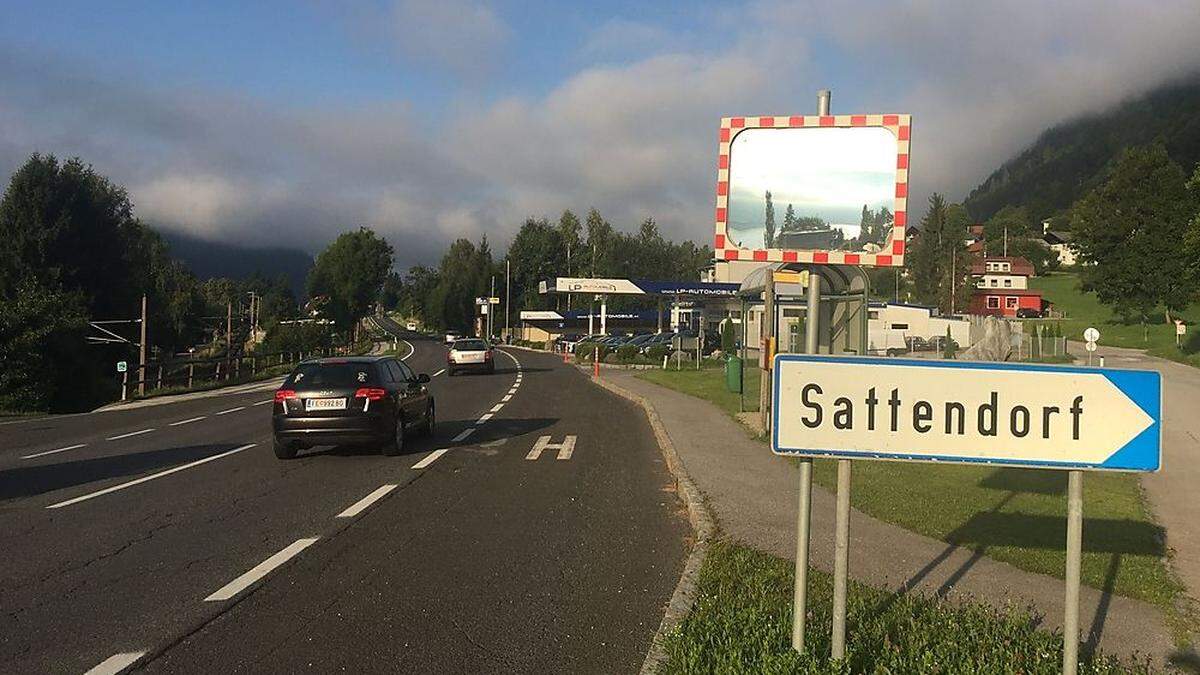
[1005, 241]
[767, 331]
[228, 335]
[491, 310]
[142, 352]
[507, 293]
[953, 276]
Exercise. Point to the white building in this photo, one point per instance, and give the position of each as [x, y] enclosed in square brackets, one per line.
[889, 324]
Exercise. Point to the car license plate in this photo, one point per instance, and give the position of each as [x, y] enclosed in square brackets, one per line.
[325, 404]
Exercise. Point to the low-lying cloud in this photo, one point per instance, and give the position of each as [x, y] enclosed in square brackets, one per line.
[632, 137]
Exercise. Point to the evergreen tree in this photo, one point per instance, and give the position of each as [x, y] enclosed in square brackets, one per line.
[789, 219]
[769, 224]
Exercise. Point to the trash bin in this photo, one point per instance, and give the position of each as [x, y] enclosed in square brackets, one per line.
[733, 374]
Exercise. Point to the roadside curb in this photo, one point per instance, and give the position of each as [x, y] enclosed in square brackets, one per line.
[702, 522]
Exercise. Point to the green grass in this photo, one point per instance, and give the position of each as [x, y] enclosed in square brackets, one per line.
[741, 623]
[1014, 515]
[709, 384]
[1084, 309]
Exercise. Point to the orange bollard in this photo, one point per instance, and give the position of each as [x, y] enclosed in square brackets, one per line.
[595, 367]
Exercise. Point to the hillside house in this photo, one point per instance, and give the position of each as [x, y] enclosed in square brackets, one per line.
[1002, 287]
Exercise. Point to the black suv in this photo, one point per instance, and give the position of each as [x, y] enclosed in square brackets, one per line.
[375, 400]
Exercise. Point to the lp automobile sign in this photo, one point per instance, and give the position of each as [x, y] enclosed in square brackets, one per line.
[1060, 417]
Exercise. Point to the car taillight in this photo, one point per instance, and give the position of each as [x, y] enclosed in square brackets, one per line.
[449, 357]
[487, 356]
[284, 394]
[370, 393]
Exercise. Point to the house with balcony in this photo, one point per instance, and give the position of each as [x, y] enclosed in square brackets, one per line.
[1002, 287]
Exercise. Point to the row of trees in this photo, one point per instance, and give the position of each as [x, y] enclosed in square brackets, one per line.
[75, 252]
[445, 296]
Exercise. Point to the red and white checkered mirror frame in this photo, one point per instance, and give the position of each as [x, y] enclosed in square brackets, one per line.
[892, 253]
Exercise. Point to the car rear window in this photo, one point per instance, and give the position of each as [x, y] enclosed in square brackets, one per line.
[470, 346]
[333, 375]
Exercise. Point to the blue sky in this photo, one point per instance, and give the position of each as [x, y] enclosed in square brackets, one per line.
[287, 122]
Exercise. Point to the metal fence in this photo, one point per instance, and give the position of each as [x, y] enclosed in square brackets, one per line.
[1034, 348]
[188, 373]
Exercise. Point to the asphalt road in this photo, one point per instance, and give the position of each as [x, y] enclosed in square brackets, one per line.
[170, 538]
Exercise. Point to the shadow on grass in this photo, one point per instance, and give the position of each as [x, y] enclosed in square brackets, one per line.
[1100, 535]
[995, 528]
[1030, 481]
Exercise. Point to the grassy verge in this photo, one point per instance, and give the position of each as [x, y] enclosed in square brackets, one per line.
[709, 384]
[741, 623]
[1013, 515]
[1084, 309]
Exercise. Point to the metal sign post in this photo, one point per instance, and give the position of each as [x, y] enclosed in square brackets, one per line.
[1035, 416]
[1074, 555]
[804, 509]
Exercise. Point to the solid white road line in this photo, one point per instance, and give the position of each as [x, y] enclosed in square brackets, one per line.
[496, 408]
[115, 663]
[411, 350]
[132, 433]
[438, 372]
[182, 422]
[51, 452]
[463, 435]
[260, 570]
[483, 418]
[270, 400]
[143, 479]
[226, 412]
[430, 458]
[362, 504]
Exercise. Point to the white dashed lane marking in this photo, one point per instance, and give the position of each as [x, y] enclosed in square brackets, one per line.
[260, 570]
[115, 663]
[362, 504]
[53, 452]
[430, 458]
[132, 433]
[188, 421]
[496, 408]
[231, 410]
[270, 400]
[438, 372]
[507, 398]
[485, 417]
[462, 436]
[143, 479]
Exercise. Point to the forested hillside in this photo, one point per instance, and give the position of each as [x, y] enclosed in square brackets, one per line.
[208, 259]
[1070, 159]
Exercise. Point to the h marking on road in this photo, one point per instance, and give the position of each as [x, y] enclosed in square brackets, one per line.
[543, 443]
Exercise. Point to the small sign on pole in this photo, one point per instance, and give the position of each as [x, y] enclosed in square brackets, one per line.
[1091, 335]
[122, 366]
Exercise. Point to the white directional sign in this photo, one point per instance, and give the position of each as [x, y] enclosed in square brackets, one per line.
[1063, 417]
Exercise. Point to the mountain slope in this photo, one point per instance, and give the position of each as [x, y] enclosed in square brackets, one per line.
[207, 259]
[1069, 159]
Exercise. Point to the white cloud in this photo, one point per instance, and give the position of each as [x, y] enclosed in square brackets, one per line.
[634, 139]
[461, 35]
